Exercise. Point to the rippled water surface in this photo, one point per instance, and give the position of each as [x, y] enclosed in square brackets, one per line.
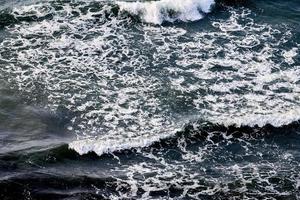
[164, 99]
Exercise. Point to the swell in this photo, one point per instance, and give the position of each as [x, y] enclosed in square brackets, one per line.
[46, 186]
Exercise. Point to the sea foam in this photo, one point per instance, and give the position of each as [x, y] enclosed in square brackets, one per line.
[121, 95]
[103, 145]
[110, 145]
[157, 12]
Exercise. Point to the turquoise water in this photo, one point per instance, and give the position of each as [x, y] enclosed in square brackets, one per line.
[149, 100]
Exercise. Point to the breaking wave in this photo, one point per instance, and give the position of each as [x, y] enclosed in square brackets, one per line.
[247, 125]
[157, 12]
[170, 166]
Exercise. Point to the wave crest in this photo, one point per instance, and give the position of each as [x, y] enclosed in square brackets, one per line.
[249, 126]
[157, 12]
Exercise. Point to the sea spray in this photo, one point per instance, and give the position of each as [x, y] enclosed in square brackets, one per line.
[157, 12]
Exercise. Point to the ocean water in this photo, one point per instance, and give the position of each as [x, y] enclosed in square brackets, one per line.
[167, 99]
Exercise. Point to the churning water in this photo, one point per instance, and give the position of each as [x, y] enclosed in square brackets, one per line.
[168, 99]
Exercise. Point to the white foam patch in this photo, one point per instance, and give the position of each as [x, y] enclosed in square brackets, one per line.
[260, 119]
[128, 94]
[290, 55]
[128, 85]
[157, 12]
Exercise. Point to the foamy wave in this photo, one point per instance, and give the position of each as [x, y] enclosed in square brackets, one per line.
[126, 96]
[157, 12]
[109, 145]
[106, 145]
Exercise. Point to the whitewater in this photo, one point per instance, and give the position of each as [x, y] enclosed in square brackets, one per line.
[157, 12]
[128, 111]
[157, 99]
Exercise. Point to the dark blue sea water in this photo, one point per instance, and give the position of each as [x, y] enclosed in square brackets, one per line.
[167, 99]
